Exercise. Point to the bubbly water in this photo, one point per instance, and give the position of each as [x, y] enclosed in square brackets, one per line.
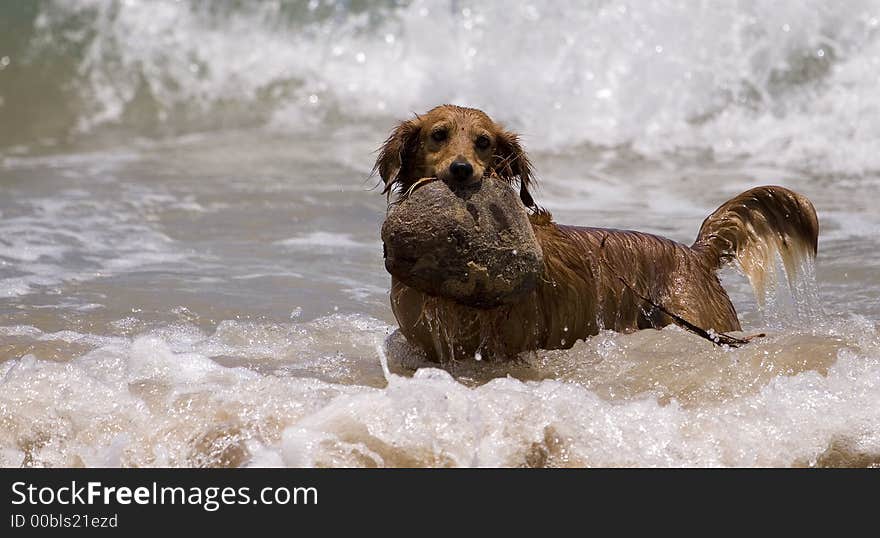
[190, 265]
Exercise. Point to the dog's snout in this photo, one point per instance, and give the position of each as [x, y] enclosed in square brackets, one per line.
[461, 170]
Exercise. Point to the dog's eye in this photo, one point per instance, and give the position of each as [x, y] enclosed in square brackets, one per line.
[483, 142]
[439, 135]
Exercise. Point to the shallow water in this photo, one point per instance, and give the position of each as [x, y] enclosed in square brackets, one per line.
[190, 264]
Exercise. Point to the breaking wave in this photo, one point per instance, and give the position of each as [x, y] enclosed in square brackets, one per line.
[788, 83]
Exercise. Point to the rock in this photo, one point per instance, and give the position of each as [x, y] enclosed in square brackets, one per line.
[473, 245]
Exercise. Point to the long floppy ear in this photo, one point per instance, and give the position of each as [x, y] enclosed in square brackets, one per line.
[395, 162]
[511, 162]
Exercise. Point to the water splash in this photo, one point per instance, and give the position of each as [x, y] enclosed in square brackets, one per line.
[790, 295]
[789, 84]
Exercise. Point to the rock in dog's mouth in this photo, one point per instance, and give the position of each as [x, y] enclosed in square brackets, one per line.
[470, 243]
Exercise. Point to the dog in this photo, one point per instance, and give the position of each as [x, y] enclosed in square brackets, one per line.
[593, 278]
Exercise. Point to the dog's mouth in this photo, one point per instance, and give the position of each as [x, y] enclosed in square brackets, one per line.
[460, 183]
[460, 188]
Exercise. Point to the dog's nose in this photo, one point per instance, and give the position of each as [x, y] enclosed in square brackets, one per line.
[461, 170]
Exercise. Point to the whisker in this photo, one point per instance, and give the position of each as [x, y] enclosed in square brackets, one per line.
[417, 184]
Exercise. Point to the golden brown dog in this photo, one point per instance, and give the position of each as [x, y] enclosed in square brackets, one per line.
[593, 278]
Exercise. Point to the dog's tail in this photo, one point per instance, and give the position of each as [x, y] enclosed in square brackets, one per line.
[756, 225]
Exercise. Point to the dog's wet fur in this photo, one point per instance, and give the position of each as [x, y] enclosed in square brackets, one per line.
[593, 278]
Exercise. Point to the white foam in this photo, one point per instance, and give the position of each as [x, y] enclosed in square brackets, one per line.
[790, 84]
[436, 421]
[322, 239]
[74, 236]
[161, 399]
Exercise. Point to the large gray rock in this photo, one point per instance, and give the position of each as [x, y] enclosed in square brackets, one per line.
[473, 245]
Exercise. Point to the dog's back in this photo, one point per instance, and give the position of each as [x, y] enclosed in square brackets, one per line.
[630, 280]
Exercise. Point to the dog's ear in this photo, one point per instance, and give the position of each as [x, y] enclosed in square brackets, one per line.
[395, 162]
[511, 163]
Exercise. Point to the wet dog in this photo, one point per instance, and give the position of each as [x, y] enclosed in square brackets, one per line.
[593, 278]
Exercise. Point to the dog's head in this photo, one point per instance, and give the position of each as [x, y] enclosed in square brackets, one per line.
[456, 145]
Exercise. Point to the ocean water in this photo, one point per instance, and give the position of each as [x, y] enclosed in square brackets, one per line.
[191, 270]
